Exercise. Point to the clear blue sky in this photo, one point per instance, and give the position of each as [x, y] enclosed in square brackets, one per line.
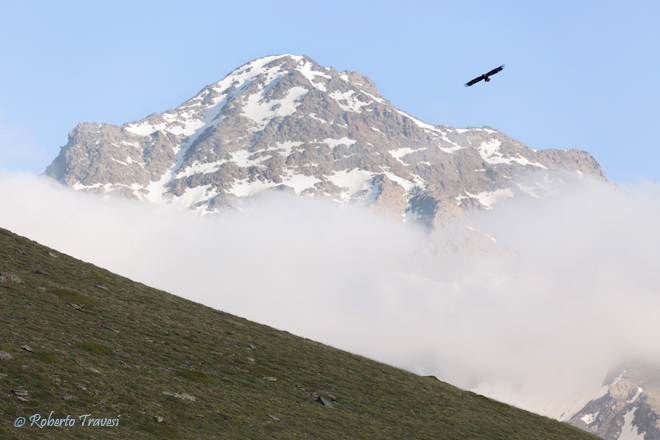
[579, 74]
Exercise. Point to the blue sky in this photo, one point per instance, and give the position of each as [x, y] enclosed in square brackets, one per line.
[579, 74]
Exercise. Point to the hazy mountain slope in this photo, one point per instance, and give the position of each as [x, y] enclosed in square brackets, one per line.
[81, 340]
[286, 122]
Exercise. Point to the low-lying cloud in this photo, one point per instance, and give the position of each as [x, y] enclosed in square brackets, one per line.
[535, 319]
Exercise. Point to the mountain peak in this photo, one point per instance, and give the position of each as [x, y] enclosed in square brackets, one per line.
[286, 122]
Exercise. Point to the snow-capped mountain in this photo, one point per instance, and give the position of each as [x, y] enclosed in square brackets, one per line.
[627, 407]
[285, 122]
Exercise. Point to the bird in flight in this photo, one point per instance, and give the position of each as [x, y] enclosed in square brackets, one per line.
[485, 76]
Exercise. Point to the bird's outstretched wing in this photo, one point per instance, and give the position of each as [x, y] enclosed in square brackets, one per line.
[494, 71]
[474, 81]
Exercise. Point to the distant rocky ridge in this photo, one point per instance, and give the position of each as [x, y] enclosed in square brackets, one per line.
[628, 407]
[287, 123]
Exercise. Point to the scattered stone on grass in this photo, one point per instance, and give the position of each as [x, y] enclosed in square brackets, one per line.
[159, 419]
[183, 396]
[2, 375]
[331, 397]
[2, 279]
[273, 417]
[93, 370]
[103, 288]
[52, 254]
[41, 272]
[11, 277]
[316, 397]
[27, 348]
[324, 402]
[4, 356]
[270, 378]
[77, 307]
[252, 347]
[66, 396]
[21, 395]
[110, 328]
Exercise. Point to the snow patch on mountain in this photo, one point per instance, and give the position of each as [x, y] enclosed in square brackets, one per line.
[488, 198]
[299, 182]
[490, 152]
[589, 418]
[639, 392]
[306, 70]
[351, 182]
[333, 143]
[418, 122]
[262, 112]
[347, 101]
[200, 168]
[628, 431]
[399, 154]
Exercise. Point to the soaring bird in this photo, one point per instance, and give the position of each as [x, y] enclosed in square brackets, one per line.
[485, 76]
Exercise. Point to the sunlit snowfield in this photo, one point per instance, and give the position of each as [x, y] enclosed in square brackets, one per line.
[529, 303]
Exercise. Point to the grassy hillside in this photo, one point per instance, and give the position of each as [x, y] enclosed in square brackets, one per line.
[81, 340]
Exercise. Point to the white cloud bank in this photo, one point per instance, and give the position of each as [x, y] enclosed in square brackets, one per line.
[537, 321]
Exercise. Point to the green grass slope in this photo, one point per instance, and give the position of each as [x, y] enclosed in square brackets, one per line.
[81, 340]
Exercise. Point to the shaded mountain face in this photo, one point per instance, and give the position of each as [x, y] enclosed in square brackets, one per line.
[287, 123]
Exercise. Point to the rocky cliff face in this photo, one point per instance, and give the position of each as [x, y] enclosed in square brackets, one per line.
[629, 406]
[286, 123]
